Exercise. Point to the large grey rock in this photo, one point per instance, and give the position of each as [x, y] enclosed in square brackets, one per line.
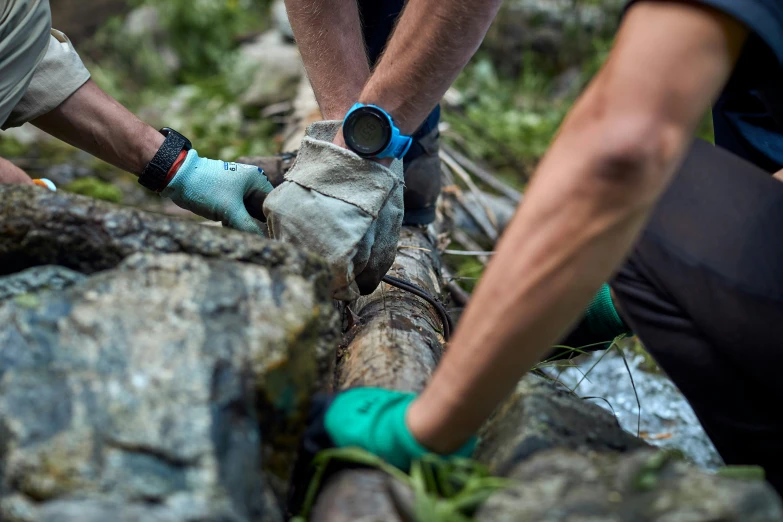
[540, 416]
[144, 24]
[36, 279]
[560, 32]
[171, 388]
[38, 227]
[571, 462]
[642, 486]
[267, 70]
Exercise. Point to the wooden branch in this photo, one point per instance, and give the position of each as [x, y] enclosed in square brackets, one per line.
[483, 174]
[487, 222]
[395, 344]
[460, 296]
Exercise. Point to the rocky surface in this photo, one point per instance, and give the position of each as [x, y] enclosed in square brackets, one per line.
[36, 279]
[565, 486]
[38, 227]
[172, 385]
[571, 461]
[272, 65]
[559, 31]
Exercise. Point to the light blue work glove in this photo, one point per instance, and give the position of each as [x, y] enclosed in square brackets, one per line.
[221, 191]
[374, 420]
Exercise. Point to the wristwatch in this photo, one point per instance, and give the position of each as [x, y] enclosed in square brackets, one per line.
[156, 171]
[369, 131]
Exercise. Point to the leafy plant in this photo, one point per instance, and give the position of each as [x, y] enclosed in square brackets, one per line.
[444, 490]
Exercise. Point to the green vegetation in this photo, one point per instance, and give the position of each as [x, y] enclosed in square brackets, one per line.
[95, 188]
[444, 490]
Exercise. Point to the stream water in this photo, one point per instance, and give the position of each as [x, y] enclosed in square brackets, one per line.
[666, 418]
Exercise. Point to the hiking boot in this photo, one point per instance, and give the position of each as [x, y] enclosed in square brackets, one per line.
[422, 179]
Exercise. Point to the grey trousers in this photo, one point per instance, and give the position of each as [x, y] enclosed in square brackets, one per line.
[703, 290]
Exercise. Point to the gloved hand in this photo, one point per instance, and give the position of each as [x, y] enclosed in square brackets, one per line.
[372, 419]
[220, 191]
[345, 208]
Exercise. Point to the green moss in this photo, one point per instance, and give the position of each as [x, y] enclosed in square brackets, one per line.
[10, 148]
[95, 188]
[27, 300]
[752, 473]
[467, 270]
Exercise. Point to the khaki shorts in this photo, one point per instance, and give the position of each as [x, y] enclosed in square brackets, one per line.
[35, 77]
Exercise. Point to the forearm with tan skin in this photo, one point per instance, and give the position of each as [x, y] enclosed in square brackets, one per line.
[329, 36]
[431, 44]
[93, 121]
[589, 199]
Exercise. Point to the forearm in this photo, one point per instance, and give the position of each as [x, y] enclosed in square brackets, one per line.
[330, 41]
[431, 44]
[589, 200]
[93, 121]
[10, 173]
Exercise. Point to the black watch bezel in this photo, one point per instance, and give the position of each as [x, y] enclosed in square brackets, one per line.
[349, 134]
[157, 170]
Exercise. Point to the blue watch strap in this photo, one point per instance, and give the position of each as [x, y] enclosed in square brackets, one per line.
[398, 144]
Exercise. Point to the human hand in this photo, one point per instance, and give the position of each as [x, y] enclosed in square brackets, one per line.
[345, 208]
[372, 419]
[232, 193]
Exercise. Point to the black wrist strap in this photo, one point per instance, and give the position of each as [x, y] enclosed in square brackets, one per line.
[156, 171]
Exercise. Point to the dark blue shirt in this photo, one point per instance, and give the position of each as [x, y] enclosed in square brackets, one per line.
[748, 116]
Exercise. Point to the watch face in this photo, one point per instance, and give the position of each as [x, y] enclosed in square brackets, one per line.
[367, 132]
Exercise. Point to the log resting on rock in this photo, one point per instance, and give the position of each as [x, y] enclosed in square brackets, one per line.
[395, 342]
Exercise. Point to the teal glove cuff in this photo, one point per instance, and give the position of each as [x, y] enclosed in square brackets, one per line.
[601, 317]
[374, 419]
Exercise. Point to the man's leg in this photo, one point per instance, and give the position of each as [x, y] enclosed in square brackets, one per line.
[421, 164]
[703, 289]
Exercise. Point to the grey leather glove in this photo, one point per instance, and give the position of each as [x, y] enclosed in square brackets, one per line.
[345, 208]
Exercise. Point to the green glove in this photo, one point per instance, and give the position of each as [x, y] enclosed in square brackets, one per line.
[374, 420]
[219, 190]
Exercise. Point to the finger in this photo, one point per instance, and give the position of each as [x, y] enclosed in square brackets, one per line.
[241, 220]
[254, 203]
[257, 190]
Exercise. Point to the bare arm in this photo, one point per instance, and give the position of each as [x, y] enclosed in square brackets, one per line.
[590, 198]
[431, 44]
[95, 122]
[10, 173]
[329, 36]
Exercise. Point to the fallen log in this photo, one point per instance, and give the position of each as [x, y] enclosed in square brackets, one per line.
[395, 342]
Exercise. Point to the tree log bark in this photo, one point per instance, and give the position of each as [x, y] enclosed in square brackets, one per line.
[395, 342]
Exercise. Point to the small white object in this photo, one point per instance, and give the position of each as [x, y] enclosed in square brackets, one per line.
[48, 183]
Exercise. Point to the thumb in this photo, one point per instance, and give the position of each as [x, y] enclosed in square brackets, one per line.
[256, 192]
[240, 219]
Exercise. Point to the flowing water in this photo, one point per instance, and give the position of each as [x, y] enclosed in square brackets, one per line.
[666, 418]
